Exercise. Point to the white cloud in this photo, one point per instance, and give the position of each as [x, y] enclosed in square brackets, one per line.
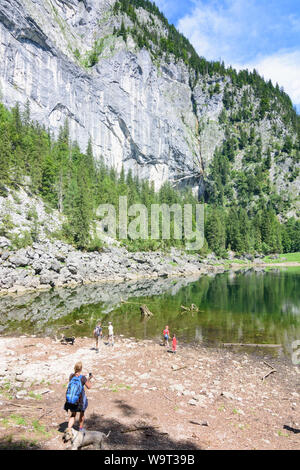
[282, 68]
[216, 30]
[241, 33]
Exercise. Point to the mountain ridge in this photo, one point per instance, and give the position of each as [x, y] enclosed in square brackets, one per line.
[131, 84]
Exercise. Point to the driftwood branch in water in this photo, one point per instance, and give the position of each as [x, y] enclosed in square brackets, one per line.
[145, 312]
[191, 308]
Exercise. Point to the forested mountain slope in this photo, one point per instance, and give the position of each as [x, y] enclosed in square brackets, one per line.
[115, 77]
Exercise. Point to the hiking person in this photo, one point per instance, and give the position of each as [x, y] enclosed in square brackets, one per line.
[110, 333]
[98, 333]
[76, 401]
[166, 334]
[174, 344]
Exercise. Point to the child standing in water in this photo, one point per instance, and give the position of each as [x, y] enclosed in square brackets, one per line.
[174, 344]
[166, 334]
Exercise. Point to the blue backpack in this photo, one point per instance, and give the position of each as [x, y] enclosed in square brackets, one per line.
[74, 390]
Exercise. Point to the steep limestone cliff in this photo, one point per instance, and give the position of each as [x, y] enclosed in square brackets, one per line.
[151, 115]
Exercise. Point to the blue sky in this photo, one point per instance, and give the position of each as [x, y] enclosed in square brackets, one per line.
[261, 34]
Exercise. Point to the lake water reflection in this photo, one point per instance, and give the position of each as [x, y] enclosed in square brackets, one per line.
[234, 307]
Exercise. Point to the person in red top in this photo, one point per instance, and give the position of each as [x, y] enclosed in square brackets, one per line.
[174, 344]
[166, 334]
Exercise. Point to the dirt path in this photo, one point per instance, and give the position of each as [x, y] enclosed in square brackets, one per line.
[149, 398]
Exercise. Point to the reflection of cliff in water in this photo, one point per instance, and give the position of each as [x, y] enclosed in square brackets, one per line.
[40, 307]
[233, 307]
[243, 307]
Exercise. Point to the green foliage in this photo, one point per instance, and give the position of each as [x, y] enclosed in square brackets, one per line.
[241, 209]
[271, 98]
[93, 55]
[291, 236]
[77, 53]
[22, 240]
[96, 244]
[215, 229]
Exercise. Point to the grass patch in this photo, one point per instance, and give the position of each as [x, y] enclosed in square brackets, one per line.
[38, 427]
[5, 391]
[284, 258]
[119, 387]
[8, 443]
[19, 420]
[280, 433]
[35, 396]
[4, 422]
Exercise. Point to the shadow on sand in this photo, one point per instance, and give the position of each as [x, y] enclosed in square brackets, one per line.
[138, 436]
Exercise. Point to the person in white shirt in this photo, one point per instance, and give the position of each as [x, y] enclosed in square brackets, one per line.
[110, 334]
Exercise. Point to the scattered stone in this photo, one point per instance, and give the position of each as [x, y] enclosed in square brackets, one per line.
[21, 394]
[19, 260]
[177, 388]
[230, 396]
[193, 402]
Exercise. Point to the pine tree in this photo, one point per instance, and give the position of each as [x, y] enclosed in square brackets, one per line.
[215, 232]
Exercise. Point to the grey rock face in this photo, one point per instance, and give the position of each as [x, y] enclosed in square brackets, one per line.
[19, 260]
[137, 115]
[38, 267]
[142, 115]
[4, 243]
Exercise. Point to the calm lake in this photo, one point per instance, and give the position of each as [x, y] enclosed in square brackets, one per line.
[234, 307]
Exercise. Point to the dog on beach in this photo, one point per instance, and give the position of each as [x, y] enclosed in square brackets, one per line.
[79, 439]
[65, 340]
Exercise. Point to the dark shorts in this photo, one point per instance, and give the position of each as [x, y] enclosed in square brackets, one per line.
[73, 408]
[77, 408]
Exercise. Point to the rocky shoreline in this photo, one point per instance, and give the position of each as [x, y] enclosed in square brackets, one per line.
[197, 399]
[54, 264]
[46, 265]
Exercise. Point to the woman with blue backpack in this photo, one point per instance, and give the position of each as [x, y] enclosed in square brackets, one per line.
[76, 400]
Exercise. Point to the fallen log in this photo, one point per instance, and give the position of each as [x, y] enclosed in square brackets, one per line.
[145, 312]
[203, 423]
[267, 375]
[270, 372]
[179, 368]
[191, 308]
[269, 365]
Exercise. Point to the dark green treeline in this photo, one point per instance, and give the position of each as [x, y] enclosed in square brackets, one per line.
[71, 181]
